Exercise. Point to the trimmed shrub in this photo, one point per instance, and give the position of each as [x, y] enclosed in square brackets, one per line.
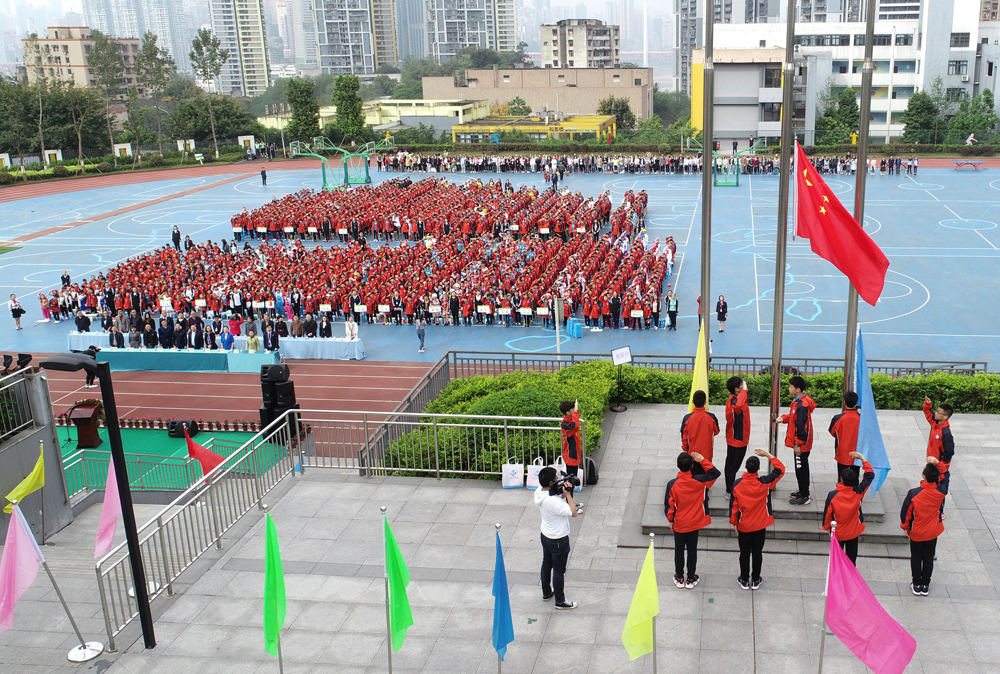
[7, 178]
[104, 167]
[60, 172]
[154, 160]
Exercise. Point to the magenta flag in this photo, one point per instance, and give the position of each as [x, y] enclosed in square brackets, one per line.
[855, 616]
[19, 566]
[110, 512]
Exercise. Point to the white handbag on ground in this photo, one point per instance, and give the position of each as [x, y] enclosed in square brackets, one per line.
[560, 467]
[513, 476]
[533, 469]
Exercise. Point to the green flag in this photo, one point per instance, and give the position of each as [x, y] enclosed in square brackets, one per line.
[400, 616]
[638, 635]
[274, 589]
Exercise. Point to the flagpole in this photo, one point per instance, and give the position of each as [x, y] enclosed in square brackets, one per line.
[781, 241]
[861, 177]
[499, 659]
[652, 543]
[707, 162]
[826, 598]
[41, 492]
[388, 621]
[281, 665]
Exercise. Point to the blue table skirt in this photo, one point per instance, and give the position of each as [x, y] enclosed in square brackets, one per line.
[250, 362]
[165, 360]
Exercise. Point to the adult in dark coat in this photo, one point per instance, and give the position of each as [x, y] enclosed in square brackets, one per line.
[115, 338]
[166, 334]
[82, 322]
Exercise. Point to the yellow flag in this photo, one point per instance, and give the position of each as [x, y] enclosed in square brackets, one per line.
[638, 635]
[700, 380]
[34, 482]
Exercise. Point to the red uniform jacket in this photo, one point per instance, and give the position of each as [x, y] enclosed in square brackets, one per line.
[940, 443]
[844, 429]
[843, 506]
[572, 447]
[750, 505]
[698, 431]
[800, 424]
[738, 420]
[686, 501]
[922, 514]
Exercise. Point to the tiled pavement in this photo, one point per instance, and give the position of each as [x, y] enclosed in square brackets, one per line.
[328, 525]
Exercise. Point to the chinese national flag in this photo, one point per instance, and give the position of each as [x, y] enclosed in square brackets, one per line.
[834, 234]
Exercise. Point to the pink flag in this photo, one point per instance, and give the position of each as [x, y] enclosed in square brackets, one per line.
[855, 616]
[18, 567]
[110, 512]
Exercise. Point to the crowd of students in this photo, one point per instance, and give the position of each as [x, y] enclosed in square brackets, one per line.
[541, 163]
[749, 496]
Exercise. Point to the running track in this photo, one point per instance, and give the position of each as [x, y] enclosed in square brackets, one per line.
[369, 386]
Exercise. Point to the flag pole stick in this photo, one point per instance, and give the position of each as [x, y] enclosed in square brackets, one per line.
[826, 599]
[781, 241]
[707, 163]
[499, 659]
[652, 543]
[388, 621]
[281, 664]
[41, 492]
[861, 177]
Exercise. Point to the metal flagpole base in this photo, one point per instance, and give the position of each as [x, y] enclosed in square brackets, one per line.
[152, 587]
[86, 652]
[618, 407]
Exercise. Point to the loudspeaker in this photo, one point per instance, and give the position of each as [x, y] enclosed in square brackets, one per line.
[267, 415]
[268, 389]
[176, 428]
[277, 372]
[285, 394]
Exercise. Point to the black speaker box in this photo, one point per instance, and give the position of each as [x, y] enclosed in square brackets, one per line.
[267, 415]
[275, 373]
[176, 428]
[269, 391]
[285, 394]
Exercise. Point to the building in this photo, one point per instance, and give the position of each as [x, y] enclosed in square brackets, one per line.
[396, 115]
[538, 127]
[576, 90]
[581, 43]
[239, 25]
[453, 25]
[345, 37]
[411, 29]
[62, 56]
[297, 28]
[748, 94]
[384, 33]
[135, 18]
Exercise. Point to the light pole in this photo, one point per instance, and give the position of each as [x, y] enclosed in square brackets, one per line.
[75, 363]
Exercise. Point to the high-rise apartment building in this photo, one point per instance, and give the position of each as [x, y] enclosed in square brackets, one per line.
[62, 56]
[411, 28]
[297, 28]
[345, 37]
[580, 43]
[384, 33]
[134, 18]
[453, 25]
[239, 25]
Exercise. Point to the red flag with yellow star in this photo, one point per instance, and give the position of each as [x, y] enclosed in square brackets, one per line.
[834, 234]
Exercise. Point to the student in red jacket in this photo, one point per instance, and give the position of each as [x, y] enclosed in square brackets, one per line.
[843, 506]
[800, 436]
[686, 507]
[572, 450]
[940, 443]
[737, 429]
[750, 511]
[844, 429]
[921, 517]
[699, 428]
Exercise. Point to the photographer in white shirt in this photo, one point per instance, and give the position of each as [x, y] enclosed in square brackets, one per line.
[556, 511]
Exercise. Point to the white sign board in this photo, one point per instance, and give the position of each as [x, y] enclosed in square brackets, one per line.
[622, 356]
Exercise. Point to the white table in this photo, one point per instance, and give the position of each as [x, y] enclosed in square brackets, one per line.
[331, 348]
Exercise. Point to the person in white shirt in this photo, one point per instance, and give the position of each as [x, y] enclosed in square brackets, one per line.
[556, 511]
[352, 328]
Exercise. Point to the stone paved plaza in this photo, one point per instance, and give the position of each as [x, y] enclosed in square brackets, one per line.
[328, 525]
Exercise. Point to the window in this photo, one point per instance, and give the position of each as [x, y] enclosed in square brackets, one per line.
[770, 112]
[772, 78]
[637, 81]
[616, 78]
[958, 67]
[904, 40]
[959, 39]
[879, 41]
[570, 64]
[989, 68]
[823, 40]
[955, 93]
[763, 43]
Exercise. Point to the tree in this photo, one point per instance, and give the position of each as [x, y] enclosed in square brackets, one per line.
[518, 107]
[629, 64]
[670, 105]
[620, 108]
[15, 103]
[33, 60]
[920, 118]
[134, 124]
[153, 70]
[827, 97]
[975, 116]
[350, 109]
[106, 65]
[207, 58]
[228, 119]
[80, 102]
[848, 112]
[304, 124]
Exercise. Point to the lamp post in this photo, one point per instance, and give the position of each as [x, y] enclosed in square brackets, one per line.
[75, 363]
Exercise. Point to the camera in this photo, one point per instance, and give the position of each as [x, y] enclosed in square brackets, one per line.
[561, 482]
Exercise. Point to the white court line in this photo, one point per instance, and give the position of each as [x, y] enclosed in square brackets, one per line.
[956, 214]
[680, 265]
[753, 244]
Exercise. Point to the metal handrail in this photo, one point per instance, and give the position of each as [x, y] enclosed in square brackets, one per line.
[15, 405]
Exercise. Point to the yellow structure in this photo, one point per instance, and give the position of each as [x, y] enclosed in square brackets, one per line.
[536, 127]
[395, 115]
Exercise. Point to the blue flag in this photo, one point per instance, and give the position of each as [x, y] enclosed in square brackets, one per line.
[870, 442]
[503, 623]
